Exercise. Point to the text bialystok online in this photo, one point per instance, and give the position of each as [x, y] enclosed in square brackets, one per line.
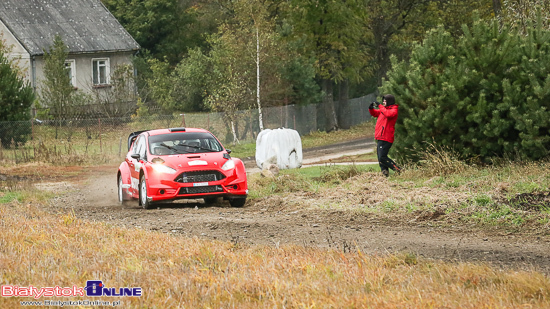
[93, 288]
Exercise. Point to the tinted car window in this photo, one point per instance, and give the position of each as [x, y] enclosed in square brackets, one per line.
[137, 145]
[142, 148]
[183, 142]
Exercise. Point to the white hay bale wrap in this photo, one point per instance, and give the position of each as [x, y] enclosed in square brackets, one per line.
[282, 147]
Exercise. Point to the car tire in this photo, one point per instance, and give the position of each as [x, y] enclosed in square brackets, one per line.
[121, 196]
[143, 193]
[210, 200]
[237, 202]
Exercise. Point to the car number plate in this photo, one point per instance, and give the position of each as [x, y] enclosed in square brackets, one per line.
[200, 184]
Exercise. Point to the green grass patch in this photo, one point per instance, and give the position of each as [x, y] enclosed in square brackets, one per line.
[317, 139]
[309, 179]
[7, 197]
[243, 150]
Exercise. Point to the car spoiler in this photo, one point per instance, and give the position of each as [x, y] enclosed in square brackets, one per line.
[132, 137]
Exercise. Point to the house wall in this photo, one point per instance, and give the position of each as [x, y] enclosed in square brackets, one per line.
[16, 52]
[32, 67]
[83, 65]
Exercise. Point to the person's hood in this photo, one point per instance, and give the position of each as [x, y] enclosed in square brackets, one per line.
[390, 100]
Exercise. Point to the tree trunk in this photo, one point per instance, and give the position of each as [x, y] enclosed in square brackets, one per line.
[234, 131]
[497, 8]
[328, 102]
[344, 112]
[381, 56]
[260, 116]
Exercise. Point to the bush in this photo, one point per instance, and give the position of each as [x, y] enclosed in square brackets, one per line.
[16, 97]
[485, 94]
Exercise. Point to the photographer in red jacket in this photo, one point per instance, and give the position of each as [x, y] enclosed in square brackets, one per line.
[384, 131]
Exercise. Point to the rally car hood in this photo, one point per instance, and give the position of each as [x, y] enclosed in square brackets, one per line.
[212, 160]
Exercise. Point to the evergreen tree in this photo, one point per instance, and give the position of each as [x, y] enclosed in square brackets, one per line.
[485, 94]
[16, 98]
[56, 88]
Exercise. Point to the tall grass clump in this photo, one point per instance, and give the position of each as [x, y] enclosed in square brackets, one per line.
[334, 174]
[439, 161]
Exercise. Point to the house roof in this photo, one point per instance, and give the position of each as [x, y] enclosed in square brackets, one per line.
[86, 26]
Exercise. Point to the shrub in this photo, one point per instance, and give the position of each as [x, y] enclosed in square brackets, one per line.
[485, 94]
[16, 97]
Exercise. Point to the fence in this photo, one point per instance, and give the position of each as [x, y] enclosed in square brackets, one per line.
[102, 138]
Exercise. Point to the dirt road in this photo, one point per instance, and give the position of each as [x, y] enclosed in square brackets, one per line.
[271, 222]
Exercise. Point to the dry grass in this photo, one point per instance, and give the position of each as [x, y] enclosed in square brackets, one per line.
[508, 195]
[44, 250]
[316, 139]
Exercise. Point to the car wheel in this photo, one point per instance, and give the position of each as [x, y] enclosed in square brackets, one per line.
[143, 193]
[237, 202]
[210, 200]
[121, 199]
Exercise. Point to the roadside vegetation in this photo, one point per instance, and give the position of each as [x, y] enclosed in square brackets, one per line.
[43, 249]
[513, 196]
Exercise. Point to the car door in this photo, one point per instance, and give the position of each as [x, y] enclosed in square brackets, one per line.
[134, 163]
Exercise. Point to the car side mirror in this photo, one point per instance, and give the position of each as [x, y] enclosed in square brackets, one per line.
[228, 151]
[135, 156]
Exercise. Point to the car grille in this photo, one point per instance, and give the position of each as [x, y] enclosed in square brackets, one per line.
[199, 176]
[196, 190]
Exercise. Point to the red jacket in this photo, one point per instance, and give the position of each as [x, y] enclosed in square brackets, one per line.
[385, 126]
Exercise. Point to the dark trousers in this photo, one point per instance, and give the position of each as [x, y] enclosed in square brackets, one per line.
[382, 150]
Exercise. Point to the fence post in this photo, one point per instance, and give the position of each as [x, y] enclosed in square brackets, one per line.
[182, 120]
[32, 128]
[281, 116]
[100, 144]
[362, 114]
[251, 128]
[120, 146]
[208, 122]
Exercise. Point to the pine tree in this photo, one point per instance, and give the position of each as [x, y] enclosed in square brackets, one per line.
[484, 94]
[16, 98]
[57, 90]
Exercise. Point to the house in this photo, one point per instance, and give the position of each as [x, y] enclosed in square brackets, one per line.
[96, 41]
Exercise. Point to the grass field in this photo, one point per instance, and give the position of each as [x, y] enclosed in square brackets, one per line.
[45, 250]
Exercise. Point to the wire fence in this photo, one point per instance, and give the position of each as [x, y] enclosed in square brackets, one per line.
[104, 138]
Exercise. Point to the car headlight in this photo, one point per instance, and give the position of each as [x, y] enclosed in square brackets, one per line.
[229, 164]
[158, 166]
[163, 169]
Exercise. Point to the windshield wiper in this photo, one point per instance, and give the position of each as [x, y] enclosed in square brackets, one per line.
[199, 147]
[174, 148]
[169, 147]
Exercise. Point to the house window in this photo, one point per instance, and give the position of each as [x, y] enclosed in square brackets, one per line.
[100, 71]
[70, 68]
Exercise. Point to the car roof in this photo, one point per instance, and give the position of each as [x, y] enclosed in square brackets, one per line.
[175, 130]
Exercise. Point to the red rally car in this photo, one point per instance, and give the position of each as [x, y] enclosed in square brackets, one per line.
[180, 163]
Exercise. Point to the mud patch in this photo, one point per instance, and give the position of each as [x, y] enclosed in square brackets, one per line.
[537, 201]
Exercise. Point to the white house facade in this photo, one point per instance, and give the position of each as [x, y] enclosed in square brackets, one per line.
[96, 41]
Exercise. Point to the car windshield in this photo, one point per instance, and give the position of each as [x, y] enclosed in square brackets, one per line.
[183, 142]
